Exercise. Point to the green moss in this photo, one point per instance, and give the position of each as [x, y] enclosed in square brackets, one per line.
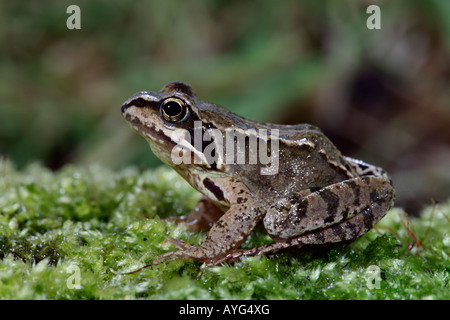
[79, 223]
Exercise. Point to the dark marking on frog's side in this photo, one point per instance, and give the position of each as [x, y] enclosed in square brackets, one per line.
[241, 200]
[300, 209]
[319, 236]
[314, 189]
[367, 216]
[338, 230]
[302, 205]
[329, 219]
[294, 199]
[374, 195]
[352, 229]
[216, 191]
[356, 192]
[332, 201]
[345, 213]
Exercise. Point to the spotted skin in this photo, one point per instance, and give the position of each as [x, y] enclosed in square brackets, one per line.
[328, 206]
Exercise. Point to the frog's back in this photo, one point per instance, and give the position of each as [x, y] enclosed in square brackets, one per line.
[306, 159]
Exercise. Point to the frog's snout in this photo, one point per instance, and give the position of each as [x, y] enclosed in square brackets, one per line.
[142, 99]
[124, 107]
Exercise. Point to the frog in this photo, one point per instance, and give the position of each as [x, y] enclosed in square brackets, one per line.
[315, 197]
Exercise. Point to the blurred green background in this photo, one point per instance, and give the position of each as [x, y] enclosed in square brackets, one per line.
[382, 96]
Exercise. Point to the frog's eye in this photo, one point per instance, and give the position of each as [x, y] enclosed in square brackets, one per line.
[174, 110]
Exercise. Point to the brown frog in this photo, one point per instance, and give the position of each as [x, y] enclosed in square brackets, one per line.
[306, 192]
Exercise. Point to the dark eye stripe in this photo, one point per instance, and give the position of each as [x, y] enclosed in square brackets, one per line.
[140, 103]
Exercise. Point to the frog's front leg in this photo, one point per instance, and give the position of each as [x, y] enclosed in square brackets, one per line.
[224, 237]
[203, 217]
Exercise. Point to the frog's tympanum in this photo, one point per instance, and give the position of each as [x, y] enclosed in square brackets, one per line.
[311, 194]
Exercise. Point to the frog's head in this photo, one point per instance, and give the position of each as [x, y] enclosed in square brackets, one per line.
[166, 119]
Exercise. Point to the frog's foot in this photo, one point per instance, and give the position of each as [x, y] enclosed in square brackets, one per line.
[180, 244]
[267, 249]
[186, 251]
[203, 217]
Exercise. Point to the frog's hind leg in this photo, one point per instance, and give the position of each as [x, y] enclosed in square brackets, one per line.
[342, 226]
[346, 231]
[339, 212]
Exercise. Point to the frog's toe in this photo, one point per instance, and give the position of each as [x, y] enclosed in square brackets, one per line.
[189, 253]
[180, 244]
[168, 255]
